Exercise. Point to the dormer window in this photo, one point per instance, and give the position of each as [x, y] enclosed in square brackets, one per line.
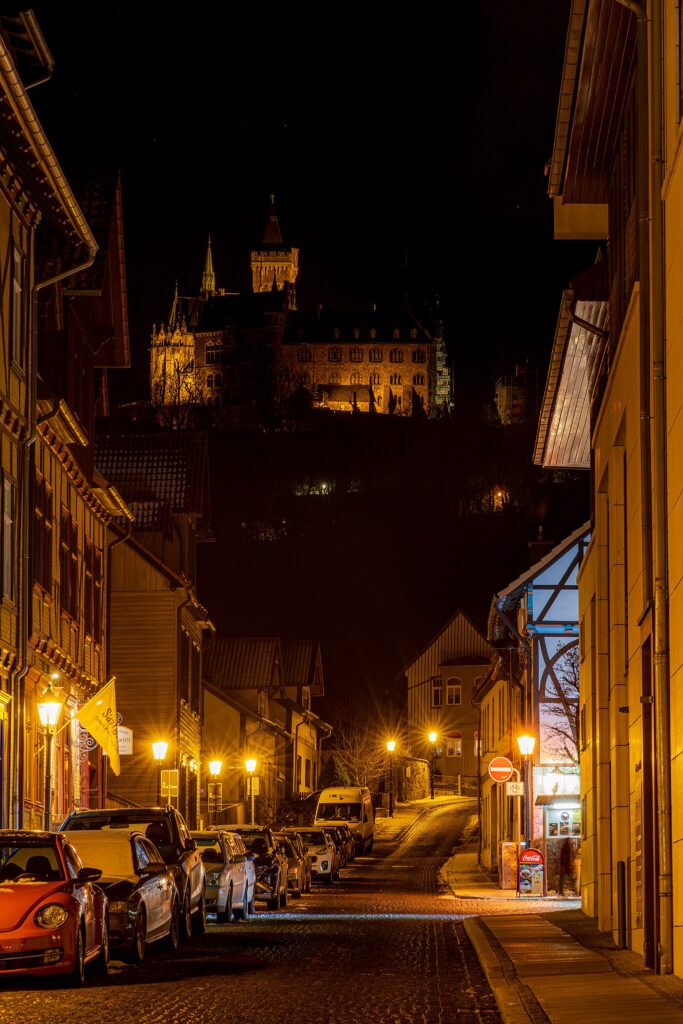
[413, 333]
[336, 334]
[373, 333]
[397, 333]
[356, 332]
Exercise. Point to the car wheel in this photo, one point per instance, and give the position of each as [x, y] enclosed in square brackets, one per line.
[173, 937]
[226, 916]
[199, 919]
[283, 897]
[274, 902]
[251, 905]
[102, 961]
[76, 976]
[296, 893]
[139, 948]
[186, 917]
[244, 912]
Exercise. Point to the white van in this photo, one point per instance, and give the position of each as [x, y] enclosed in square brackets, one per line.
[352, 806]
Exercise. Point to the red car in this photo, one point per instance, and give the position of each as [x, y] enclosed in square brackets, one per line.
[53, 920]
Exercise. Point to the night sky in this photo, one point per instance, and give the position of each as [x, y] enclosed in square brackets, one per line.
[405, 153]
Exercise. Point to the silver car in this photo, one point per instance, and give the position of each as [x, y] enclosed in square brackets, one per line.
[230, 876]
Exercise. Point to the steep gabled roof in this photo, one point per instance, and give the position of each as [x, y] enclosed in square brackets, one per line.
[460, 639]
[244, 663]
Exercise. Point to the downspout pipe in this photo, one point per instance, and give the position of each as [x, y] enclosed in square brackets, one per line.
[662, 680]
[117, 540]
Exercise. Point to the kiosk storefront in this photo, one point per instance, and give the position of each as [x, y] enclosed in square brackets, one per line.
[562, 832]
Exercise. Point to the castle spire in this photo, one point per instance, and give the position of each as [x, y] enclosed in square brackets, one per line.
[208, 277]
[175, 308]
[272, 234]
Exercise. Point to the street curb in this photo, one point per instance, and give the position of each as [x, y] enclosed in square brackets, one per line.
[510, 1005]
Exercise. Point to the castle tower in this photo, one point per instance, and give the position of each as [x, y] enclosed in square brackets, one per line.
[273, 263]
[172, 361]
[208, 277]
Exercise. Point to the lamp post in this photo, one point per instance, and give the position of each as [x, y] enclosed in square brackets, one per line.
[432, 739]
[391, 746]
[49, 710]
[250, 765]
[526, 746]
[215, 791]
[159, 749]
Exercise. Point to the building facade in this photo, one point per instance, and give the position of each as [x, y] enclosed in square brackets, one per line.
[441, 681]
[612, 403]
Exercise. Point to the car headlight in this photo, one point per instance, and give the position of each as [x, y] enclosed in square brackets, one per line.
[213, 878]
[51, 916]
[117, 906]
[324, 865]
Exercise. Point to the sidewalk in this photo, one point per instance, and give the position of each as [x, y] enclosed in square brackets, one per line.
[404, 816]
[540, 973]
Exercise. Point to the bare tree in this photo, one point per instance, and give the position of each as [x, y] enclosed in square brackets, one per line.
[360, 754]
[561, 715]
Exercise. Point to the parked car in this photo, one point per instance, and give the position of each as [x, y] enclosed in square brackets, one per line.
[54, 920]
[250, 870]
[296, 869]
[323, 854]
[292, 832]
[350, 843]
[140, 887]
[166, 828]
[270, 864]
[229, 885]
[341, 842]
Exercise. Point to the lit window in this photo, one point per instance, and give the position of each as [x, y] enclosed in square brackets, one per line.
[454, 745]
[418, 378]
[356, 377]
[373, 333]
[304, 354]
[375, 355]
[375, 378]
[419, 355]
[396, 355]
[335, 377]
[437, 692]
[356, 355]
[395, 378]
[334, 355]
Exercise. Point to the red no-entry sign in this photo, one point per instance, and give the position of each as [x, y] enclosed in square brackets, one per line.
[500, 769]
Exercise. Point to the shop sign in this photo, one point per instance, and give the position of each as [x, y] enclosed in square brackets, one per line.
[531, 873]
[125, 739]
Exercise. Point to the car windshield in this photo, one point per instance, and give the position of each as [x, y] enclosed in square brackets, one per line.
[339, 812]
[156, 828]
[112, 854]
[287, 847]
[257, 844]
[313, 838]
[210, 850]
[25, 862]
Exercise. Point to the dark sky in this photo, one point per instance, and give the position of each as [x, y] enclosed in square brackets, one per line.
[380, 136]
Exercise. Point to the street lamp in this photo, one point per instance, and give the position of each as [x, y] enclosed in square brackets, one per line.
[49, 710]
[215, 790]
[159, 749]
[391, 746]
[526, 746]
[250, 765]
[432, 739]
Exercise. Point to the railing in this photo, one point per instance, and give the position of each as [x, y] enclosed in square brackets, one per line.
[460, 785]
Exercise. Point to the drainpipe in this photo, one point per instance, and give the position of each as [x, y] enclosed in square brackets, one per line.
[661, 525]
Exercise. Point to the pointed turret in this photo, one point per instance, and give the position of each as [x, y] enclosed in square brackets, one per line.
[175, 308]
[272, 235]
[208, 277]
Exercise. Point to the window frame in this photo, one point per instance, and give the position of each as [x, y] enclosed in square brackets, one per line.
[456, 687]
[437, 687]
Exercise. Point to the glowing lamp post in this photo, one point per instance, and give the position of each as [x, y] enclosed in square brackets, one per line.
[391, 746]
[250, 765]
[159, 749]
[215, 791]
[49, 710]
[432, 740]
[526, 746]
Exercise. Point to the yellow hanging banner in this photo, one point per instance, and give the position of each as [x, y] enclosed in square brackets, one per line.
[98, 716]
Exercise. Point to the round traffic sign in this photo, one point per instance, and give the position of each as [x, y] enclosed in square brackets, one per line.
[500, 769]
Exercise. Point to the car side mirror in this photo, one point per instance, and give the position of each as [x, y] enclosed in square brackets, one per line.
[155, 867]
[89, 874]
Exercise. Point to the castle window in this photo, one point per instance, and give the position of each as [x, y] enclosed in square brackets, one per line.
[395, 378]
[214, 352]
[396, 355]
[334, 355]
[304, 354]
[373, 333]
[218, 380]
[419, 355]
[397, 333]
[413, 333]
[356, 377]
[356, 332]
[336, 334]
[335, 377]
[356, 355]
[209, 381]
[375, 378]
[418, 378]
[375, 355]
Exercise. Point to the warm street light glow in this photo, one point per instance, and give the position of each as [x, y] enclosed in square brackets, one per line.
[526, 745]
[49, 708]
[391, 746]
[159, 748]
[250, 764]
[433, 737]
[215, 767]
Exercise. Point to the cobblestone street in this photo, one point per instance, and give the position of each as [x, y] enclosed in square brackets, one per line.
[382, 945]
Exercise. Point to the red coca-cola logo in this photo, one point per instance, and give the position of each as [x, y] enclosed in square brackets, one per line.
[531, 857]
